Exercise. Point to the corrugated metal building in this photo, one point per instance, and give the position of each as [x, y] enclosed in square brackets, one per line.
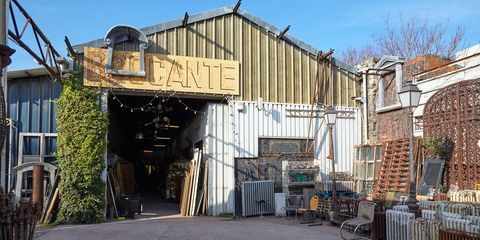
[31, 106]
[231, 134]
[280, 70]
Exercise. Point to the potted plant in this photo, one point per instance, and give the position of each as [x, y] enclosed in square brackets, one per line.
[436, 147]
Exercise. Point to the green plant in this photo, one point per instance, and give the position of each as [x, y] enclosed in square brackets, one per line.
[225, 214]
[435, 146]
[442, 189]
[81, 146]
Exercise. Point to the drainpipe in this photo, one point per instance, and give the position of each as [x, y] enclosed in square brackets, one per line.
[398, 78]
[365, 107]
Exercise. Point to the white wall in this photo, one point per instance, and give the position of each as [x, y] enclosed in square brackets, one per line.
[470, 69]
[231, 133]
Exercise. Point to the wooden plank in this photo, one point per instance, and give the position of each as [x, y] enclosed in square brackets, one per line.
[112, 195]
[50, 197]
[190, 187]
[197, 159]
[51, 208]
[205, 186]
[184, 200]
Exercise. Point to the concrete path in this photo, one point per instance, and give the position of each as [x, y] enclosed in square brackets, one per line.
[208, 228]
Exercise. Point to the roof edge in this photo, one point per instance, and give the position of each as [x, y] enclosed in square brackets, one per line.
[26, 73]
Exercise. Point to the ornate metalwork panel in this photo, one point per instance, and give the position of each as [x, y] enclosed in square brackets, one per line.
[453, 113]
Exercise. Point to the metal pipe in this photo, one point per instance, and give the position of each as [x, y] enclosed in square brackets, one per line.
[3, 21]
[9, 187]
[365, 107]
[412, 202]
[332, 158]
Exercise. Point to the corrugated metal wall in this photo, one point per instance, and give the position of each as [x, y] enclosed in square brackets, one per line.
[219, 148]
[231, 133]
[31, 103]
[271, 68]
[272, 121]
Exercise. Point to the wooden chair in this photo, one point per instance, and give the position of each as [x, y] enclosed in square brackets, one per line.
[312, 211]
[366, 211]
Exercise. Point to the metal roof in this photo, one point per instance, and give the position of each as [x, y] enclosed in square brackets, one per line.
[25, 73]
[220, 12]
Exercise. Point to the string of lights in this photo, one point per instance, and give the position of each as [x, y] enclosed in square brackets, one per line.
[156, 96]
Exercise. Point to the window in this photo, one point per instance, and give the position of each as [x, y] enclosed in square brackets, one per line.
[37, 147]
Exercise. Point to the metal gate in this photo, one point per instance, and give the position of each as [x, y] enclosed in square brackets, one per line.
[453, 113]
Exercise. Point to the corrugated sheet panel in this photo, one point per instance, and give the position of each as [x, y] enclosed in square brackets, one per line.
[272, 121]
[271, 68]
[232, 133]
[219, 149]
[31, 103]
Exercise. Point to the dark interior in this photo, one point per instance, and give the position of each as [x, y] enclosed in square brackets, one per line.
[148, 137]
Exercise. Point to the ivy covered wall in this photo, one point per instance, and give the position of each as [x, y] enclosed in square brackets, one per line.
[81, 146]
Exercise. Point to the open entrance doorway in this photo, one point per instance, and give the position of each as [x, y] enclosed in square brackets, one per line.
[149, 149]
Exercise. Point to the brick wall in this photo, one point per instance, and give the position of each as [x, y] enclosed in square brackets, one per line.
[392, 125]
[395, 123]
[423, 63]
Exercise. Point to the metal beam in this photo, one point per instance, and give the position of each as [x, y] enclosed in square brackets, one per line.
[237, 6]
[283, 32]
[70, 49]
[185, 20]
[47, 58]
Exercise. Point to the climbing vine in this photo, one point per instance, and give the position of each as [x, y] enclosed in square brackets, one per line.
[81, 146]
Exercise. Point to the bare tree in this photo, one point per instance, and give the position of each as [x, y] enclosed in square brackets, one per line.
[354, 56]
[412, 37]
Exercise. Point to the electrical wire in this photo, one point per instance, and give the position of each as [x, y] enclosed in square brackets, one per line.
[161, 94]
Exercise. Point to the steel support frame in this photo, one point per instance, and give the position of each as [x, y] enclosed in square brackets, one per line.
[45, 53]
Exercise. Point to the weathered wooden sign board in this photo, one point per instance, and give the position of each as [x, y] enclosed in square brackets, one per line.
[163, 73]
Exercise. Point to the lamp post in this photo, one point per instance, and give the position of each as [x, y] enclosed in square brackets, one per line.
[330, 116]
[410, 97]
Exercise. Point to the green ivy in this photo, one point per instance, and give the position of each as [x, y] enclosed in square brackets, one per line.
[81, 146]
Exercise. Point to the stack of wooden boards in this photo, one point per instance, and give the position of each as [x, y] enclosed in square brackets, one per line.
[195, 190]
[395, 171]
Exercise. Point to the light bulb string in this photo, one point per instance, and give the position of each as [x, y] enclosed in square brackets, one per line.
[162, 95]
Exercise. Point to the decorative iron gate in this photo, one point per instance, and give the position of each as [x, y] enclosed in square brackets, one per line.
[454, 113]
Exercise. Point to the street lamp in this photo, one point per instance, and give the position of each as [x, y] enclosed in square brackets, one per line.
[330, 115]
[409, 98]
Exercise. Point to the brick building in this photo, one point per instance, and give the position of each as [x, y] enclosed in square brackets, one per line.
[386, 119]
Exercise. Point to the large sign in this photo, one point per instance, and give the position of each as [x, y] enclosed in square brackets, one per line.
[162, 73]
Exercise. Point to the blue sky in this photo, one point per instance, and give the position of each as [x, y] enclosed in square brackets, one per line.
[322, 24]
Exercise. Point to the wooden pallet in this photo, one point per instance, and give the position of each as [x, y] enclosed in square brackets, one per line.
[395, 169]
